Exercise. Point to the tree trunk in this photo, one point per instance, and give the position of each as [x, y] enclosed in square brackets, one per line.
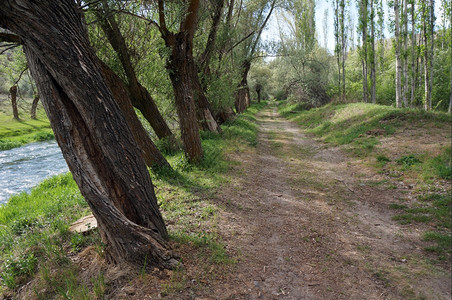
[203, 108]
[91, 130]
[413, 55]
[13, 92]
[225, 115]
[242, 98]
[432, 48]
[427, 99]
[398, 62]
[405, 53]
[149, 151]
[344, 48]
[258, 91]
[140, 96]
[34, 106]
[373, 79]
[180, 70]
[364, 49]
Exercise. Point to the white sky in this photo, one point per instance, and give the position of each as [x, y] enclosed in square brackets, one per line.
[271, 32]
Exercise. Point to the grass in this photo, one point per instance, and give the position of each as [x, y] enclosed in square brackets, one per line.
[357, 125]
[35, 242]
[15, 133]
[434, 209]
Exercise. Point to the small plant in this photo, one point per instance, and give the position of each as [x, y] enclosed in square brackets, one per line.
[408, 160]
[99, 286]
[382, 160]
[14, 270]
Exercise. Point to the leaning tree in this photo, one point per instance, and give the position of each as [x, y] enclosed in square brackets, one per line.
[90, 128]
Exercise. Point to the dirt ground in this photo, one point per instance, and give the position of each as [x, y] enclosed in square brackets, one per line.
[307, 225]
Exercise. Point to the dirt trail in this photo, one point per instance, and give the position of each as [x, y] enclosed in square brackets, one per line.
[306, 226]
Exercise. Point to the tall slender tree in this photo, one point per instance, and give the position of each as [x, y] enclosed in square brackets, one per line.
[364, 18]
[397, 50]
[372, 58]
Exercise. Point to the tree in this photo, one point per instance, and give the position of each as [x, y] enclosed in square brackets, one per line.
[180, 65]
[91, 130]
[398, 61]
[13, 93]
[364, 17]
[34, 106]
[139, 95]
[373, 78]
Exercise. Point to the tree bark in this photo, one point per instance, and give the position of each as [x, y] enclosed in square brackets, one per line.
[373, 79]
[91, 130]
[364, 49]
[432, 48]
[203, 108]
[180, 65]
[258, 91]
[180, 71]
[13, 93]
[140, 96]
[427, 95]
[405, 53]
[413, 55]
[398, 62]
[34, 106]
[242, 97]
[150, 153]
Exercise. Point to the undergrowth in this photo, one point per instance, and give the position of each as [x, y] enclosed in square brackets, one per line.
[35, 241]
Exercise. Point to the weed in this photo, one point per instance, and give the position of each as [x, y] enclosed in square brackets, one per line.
[408, 160]
[15, 269]
[397, 206]
[99, 286]
[443, 242]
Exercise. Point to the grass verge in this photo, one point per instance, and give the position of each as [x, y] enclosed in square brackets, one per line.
[36, 245]
[359, 125]
[15, 133]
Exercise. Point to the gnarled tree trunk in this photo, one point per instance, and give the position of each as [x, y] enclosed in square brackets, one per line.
[13, 93]
[91, 129]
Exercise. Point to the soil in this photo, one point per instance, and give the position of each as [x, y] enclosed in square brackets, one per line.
[306, 224]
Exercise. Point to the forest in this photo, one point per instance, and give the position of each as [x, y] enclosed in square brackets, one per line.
[227, 149]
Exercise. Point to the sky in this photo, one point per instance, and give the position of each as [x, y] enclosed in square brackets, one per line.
[271, 32]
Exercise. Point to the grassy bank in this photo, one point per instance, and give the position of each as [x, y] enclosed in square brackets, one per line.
[35, 242]
[15, 133]
[402, 145]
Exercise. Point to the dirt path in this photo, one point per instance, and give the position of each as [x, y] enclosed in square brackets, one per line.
[306, 225]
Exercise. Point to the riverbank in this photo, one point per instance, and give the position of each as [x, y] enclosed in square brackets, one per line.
[15, 133]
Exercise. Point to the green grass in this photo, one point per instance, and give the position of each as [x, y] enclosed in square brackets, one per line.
[15, 133]
[35, 241]
[434, 209]
[358, 125]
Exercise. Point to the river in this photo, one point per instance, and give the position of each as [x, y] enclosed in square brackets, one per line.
[25, 167]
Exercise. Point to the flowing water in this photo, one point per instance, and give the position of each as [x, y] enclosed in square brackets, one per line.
[24, 167]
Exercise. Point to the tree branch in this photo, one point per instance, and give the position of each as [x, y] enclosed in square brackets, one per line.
[9, 38]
